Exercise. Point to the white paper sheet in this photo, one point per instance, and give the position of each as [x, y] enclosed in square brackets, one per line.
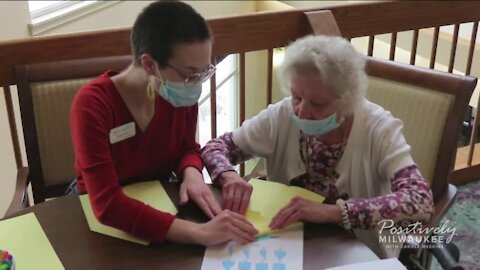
[390, 264]
[276, 251]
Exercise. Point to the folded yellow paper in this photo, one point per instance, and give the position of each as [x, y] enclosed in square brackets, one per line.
[269, 197]
[151, 193]
[23, 237]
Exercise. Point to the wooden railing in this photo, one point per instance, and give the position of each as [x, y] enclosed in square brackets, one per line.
[264, 31]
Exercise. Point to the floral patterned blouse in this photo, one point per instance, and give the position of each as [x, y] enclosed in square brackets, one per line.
[410, 200]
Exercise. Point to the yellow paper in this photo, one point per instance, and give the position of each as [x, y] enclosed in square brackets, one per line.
[269, 197]
[24, 238]
[151, 193]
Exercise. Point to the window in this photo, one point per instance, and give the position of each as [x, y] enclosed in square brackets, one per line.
[46, 15]
[227, 116]
[35, 6]
[227, 108]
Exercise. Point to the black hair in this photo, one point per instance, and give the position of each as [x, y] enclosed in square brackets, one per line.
[163, 24]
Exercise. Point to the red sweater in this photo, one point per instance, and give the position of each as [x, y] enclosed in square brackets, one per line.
[168, 144]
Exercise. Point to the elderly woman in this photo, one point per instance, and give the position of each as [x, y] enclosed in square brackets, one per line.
[329, 139]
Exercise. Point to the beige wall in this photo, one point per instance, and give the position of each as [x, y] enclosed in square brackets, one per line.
[317, 3]
[13, 19]
[271, 6]
[123, 14]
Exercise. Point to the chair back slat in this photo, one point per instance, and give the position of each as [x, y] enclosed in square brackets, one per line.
[433, 54]
[393, 46]
[471, 48]
[413, 50]
[453, 49]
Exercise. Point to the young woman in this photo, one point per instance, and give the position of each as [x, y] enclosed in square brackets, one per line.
[140, 123]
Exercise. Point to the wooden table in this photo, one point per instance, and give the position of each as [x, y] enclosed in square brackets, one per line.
[65, 225]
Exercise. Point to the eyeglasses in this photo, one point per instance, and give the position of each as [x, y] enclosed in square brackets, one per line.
[196, 77]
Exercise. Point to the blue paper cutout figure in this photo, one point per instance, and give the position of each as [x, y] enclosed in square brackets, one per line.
[246, 252]
[228, 264]
[263, 252]
[245, 265]
[279, 266]
[262, 265]
[280, 254]
[265, 237]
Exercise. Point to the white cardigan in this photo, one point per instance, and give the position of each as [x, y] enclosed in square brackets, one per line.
[375, 150]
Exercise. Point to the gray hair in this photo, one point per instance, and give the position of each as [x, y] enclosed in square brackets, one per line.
[335, 60]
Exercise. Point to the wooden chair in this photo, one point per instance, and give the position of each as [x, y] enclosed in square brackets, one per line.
[20, 196]
[432, 106]
[46, 92]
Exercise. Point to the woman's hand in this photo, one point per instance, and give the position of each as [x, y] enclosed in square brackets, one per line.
[235, 192]
[227, 226]
[194, 188]
[299, 209]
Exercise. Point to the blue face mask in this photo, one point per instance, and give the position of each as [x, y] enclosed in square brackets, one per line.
[179, 94]
[316, 127]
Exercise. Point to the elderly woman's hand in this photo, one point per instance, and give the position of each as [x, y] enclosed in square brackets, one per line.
[299, 209]
[235, 192]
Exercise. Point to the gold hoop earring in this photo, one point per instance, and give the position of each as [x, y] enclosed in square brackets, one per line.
[151, 90]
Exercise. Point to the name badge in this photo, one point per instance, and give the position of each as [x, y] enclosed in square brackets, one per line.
[122, 132]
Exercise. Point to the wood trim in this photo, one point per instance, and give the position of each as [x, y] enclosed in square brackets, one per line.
[459, 86]
[473, 135]
[396, 16]
[77, 68]
[30, 134]
[20, 196]
[270, 76]
[322, 22]
[433, 54]
[471, 48]
[258, 31]
[453, 50]
[242, 88]
[419, 76]
[12, 126]
[62, 47]
[393, 46]
[242, 99]
[371, 44]
[442, 206]
[413, 50]
[465, 175]
[213, 105]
